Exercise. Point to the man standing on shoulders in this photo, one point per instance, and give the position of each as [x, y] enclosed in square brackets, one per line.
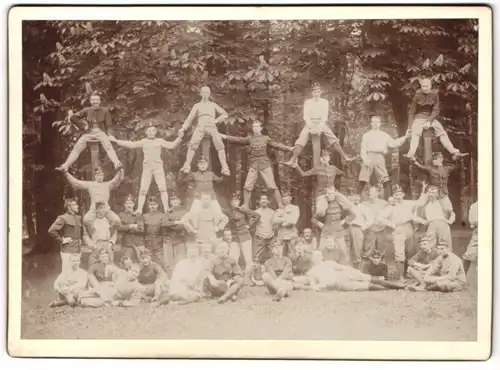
[132, 231]
[374, 146]
[96, 123]
[67, 231]
[259, 163]
[315, 117]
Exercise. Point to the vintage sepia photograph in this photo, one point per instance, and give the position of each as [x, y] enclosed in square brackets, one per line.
[265, 178]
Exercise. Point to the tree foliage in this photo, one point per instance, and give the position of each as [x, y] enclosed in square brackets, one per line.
[152, 70]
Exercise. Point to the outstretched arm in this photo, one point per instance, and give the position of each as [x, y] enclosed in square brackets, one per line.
[216, 178]
[422, 167]
[171, 144]
[396, 143]
[126, 143]
[279, 146]
[75, 183]
[236, 139]
[311, 172]
[222, 114]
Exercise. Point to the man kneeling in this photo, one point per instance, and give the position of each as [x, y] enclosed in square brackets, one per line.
[225, 278]
[278, 273]
[447, 273]
[329, 275]
[70, 283]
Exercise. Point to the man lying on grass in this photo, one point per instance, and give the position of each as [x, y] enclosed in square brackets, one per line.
[301, 265]
[329, 275]
[70, 283]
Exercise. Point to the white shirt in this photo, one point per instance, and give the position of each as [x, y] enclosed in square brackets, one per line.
[316, 110]
[101, 229]
[473, 214]
[434, 211]
[379, 141]
[264, 227]
[364, 216]
[400, 213]
[187, 272]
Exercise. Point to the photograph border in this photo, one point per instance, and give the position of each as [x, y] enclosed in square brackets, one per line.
[297, 349]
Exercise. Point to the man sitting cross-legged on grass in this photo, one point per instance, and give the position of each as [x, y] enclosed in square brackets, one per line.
[225, 277]
[300, 266]
[100, 281]
[187, 279]
[151, 276]
[126, 290]
[329, 275]
[70, 283]
[278, 273]
[446, 273]
[421, 261]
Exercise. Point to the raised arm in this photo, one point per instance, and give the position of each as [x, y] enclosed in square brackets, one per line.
[189, 120]
[115, 181]
[221, 112]
[75, 183]
[236, 139]
[422, 167]
[128, 144]
[185, 178]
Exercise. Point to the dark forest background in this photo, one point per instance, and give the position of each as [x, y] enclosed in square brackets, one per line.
[256, 69]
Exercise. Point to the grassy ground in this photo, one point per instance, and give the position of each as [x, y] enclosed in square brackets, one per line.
[384, 315]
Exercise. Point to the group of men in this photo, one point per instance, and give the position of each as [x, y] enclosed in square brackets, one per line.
[184, 254]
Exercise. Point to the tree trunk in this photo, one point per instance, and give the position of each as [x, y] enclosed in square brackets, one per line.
[49, 203]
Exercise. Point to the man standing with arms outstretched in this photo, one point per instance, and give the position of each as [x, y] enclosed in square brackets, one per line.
[374, 146]
[259, 163]
[205, 111]
[152, 165]
[315, 117]
[99, 191]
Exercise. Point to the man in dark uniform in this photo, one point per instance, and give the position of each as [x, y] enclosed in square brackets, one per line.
[132, 231]
[154, 224]
[96, 122]
[67, 230]
[258, 161]
[175, 232]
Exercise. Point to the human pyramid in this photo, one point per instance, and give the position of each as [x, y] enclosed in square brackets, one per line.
[189, 253]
